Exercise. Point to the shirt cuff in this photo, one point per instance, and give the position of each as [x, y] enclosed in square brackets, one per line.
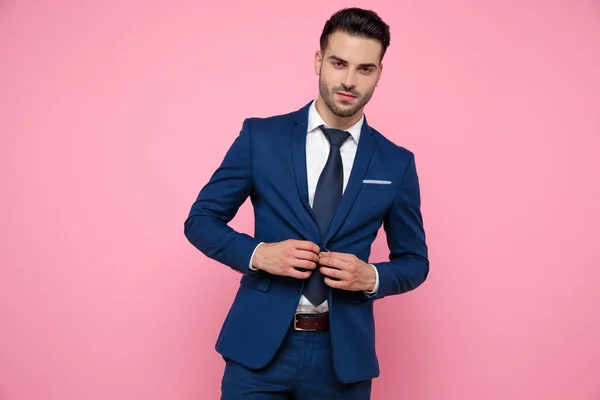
[250, 266]
[376, 282]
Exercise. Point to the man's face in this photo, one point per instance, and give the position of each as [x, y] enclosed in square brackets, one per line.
[348, 70]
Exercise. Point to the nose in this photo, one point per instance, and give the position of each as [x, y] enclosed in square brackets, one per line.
[349, 81]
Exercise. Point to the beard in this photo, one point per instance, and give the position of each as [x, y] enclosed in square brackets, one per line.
[343, 112]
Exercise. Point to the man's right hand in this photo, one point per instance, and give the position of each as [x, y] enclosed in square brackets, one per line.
[282, 258]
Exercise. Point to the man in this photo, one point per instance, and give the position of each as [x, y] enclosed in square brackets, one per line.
[322, 183]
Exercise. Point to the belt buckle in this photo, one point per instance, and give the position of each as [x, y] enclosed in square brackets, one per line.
[296, 328]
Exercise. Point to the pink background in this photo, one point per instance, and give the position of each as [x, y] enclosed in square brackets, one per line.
[113, 115]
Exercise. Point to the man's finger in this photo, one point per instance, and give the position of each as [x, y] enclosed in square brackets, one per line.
[338, 256]
[306, 255]
[335, 284]
[334, 273]
[306, 245]
[294, 273]
[305, 264]
[333, 262]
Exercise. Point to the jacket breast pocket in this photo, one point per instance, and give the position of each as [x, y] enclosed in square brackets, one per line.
[376, 184]
[260, 281]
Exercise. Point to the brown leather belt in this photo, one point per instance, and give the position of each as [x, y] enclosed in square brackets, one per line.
[310, 322]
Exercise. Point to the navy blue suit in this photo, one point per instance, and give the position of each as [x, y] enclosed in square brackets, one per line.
[267, 164]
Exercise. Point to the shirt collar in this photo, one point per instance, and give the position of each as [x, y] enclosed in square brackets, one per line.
[315, 120]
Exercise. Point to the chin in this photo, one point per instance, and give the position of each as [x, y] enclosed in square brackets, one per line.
[345, 113]
[344, 103]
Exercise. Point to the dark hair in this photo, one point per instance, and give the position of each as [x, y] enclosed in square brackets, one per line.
[357, 22]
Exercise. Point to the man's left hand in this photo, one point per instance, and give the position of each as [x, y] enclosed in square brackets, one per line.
[348, 272]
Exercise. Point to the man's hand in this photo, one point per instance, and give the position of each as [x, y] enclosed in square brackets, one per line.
[282, 258]
[347, 272]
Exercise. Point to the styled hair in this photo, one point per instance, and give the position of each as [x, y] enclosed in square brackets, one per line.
[357, 22]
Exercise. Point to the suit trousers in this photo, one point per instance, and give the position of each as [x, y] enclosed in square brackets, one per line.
[302, 369]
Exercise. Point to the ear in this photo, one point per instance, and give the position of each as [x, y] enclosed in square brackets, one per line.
[318, 62]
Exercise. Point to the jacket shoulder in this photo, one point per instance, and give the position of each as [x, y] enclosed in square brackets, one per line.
[269, 121]
[269, 127]
[391, 148]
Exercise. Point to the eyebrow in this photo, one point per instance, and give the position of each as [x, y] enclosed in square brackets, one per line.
[367, 65]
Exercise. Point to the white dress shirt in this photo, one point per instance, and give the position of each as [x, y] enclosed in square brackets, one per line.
[317, 152]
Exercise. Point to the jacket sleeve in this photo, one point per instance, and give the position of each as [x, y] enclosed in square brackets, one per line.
[408, 266]
[218, 202]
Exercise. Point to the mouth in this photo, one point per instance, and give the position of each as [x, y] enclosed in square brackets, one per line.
[345, 96]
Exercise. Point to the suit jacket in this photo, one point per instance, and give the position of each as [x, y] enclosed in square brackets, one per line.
[267, 163]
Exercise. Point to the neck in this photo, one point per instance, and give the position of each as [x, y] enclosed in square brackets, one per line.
[334, 121]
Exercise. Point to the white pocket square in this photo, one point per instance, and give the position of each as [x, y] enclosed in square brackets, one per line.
[377, 182]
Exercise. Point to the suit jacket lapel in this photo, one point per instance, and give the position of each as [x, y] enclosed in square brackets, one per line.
[359, 169]
[298, 145]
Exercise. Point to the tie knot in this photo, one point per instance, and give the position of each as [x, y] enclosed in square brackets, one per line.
[336, 137]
